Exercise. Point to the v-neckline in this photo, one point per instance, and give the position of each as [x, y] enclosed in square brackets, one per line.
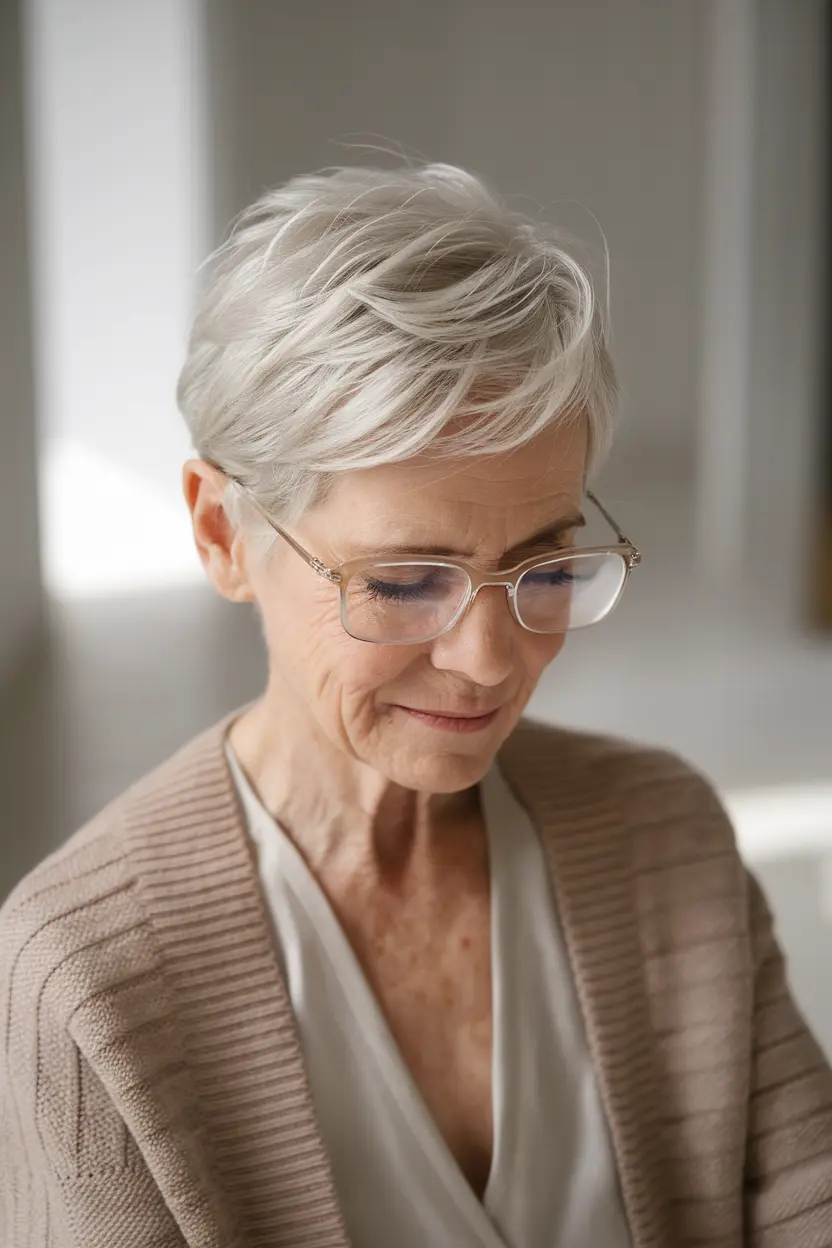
[399, 1079]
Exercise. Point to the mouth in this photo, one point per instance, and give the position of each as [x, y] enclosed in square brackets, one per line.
[452, 721]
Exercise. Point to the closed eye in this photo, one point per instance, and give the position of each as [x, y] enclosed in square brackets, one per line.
[437, 583]
[561, 574]
[394, 592]
[551, 577]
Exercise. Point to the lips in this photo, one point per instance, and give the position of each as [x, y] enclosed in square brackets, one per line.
[452, 721]
[420, 710]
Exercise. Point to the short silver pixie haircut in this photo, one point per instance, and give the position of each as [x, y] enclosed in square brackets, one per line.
[361, 316]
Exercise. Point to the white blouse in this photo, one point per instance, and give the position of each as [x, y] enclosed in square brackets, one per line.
[553, 1180]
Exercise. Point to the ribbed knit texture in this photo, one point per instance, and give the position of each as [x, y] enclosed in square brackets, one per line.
[152, 1087]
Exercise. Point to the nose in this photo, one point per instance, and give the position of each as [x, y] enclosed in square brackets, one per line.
[482, 646]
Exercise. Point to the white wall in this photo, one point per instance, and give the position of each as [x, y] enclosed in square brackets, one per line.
[764, 345]
[117, 195]
[121, 213]
[20, 597]
[789, 382]
[588, 100]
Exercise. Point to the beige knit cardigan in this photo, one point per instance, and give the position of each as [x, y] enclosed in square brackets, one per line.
[152, 1088]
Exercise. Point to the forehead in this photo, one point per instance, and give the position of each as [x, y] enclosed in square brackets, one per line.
[480, 502]
[551, 464]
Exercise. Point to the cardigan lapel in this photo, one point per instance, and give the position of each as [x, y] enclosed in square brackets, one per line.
[198, 881]
[588, 850]
[199, 885]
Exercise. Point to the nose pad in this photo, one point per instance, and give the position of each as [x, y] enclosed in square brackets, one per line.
[511, 595]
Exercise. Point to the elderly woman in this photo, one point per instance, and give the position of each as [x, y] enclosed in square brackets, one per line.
[376, 961]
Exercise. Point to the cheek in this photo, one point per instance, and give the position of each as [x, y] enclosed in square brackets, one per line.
[538, 651]
[310, 649]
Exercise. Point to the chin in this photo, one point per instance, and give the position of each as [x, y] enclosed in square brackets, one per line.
[443, 775]
[441, 771]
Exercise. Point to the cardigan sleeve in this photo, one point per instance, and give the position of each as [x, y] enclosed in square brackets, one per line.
[30, 1212]
[789, 1160]
[71, 1174]
[50, 1198]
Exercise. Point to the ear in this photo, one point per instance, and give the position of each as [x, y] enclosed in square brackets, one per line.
[221, 547]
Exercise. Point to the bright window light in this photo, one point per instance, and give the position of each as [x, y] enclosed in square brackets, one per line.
[782, 821]
[106, 530]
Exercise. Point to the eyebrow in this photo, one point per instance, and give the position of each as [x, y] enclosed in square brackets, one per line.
[550, 535]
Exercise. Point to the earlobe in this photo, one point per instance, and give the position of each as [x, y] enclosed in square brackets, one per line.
[224, 560]
[241, 592]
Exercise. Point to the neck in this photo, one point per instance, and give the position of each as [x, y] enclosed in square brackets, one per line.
[341, 813]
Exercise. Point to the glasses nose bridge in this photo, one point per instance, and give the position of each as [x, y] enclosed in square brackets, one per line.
[506, 582]
[498, 582]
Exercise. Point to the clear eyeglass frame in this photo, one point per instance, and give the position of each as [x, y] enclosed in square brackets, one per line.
[477, 578]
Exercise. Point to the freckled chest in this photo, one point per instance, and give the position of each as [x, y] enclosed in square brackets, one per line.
[425, 948]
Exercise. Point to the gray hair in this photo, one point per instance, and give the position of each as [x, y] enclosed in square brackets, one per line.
[360, 316]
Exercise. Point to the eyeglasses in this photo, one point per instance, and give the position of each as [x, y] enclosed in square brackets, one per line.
[405, 602]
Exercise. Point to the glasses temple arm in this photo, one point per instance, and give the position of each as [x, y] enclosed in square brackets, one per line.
[610, 521]
[314, 563]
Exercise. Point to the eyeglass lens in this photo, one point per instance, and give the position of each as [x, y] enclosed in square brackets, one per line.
[413, 602]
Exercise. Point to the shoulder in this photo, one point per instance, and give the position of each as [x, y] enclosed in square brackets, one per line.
[75, 927]
[628, 765]
[59, 905]
[653, 796]
[604, 805]
[70, 934]
[65, 942]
